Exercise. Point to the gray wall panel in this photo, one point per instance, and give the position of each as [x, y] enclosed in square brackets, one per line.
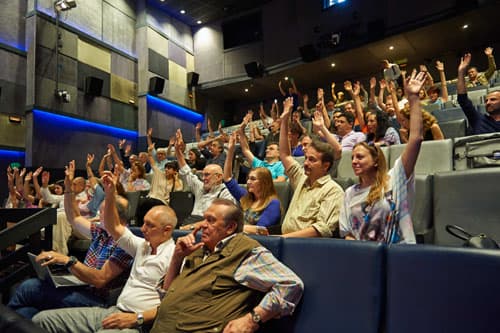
[176, 54]
[94, 108]
[158, 64]
[123, 115]
[13, 98]
[46, 66]
[127, 7]
[46, 36]
[12, 134]
[45, 99]
[123, 67]
[13, 67]
[12, 29]
[118, 29]
[85, 70]
[165, 126]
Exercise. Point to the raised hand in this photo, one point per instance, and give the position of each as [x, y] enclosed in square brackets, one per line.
[414, 83]
[233, 138]
[45, 178]
[305, 98]
[23, 171]
[439, 66]
[333, 85]
[37, 172]
[108, 182]
[320, 93]
[464, 63]
[356, 88]
[28, 176]
[198, 126]
[171, 140]
[488, 51]
[287, 107]
[121, 143]
[90, 159]
[179, 141]
[382, 84]
[318, 121]
[149, 132]
[348, 86]
[128, 149]
[423, 68]
[187, 244]
[373, 82]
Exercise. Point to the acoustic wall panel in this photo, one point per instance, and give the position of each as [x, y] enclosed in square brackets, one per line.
[127, 7]
[181, 34]
[45, 99]
[94, 56]
[118, 29]
[176, 54]
[157, 42]
[46, 66]
[176, 93]
[123, 115]
[123, 66]
[122, 89]
[158, 64]
[189, 62]
[12, 134]
[94, 108]
[13, 67]
[13, 98]
[12, 30]
[85, 71]
[46, 36]
[177, 74]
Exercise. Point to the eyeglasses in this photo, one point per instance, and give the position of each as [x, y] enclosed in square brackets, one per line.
[208, 174]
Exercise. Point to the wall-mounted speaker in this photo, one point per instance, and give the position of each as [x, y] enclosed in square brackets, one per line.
[309, 53]
[254, 69]
[192, 79]
[93, 86]
[156, 85]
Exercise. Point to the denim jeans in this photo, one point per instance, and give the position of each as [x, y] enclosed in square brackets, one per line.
[35, 295]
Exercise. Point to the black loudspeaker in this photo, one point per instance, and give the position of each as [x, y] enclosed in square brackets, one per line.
[309, 53]
[192, 78]
[156, 85]
[254, 69]
[93, 86]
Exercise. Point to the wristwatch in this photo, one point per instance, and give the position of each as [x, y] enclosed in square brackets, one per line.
[255, 317]
[71, 262]
[140, 319]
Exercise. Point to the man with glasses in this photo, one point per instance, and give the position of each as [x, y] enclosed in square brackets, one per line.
[206, 190]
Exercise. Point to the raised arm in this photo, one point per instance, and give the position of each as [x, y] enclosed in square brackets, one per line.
[320, 127]
[410, 154]
[321, 107]
[334, 96]
[491, 63]
[111, 218]
[281, 88]
[429, 81]
[197, 132]
[358, 106]
[36, 173]
[462, 69]
[228, 166]
[382, 86]
[285, 152]
[90, 173]
[292, 80]
[102, 164]
[245, 148]
[179, 142]
[71, 206]
[442, 77]
[394, 97]
[26, 191]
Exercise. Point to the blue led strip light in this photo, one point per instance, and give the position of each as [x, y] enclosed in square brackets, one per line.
[12, 153]
[83, 125]
[173, 110]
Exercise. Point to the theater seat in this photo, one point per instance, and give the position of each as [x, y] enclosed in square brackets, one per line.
[421, 213]
[435, 289]
[435, 156]
[11, 322]
[454, 128]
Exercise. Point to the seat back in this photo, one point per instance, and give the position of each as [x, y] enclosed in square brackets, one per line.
[133, 203]
[327, 267]
[435, 156]
[454, 128]
[182, 203]
[421, 213]
[437, 289]
[469, 199]
[452, 113]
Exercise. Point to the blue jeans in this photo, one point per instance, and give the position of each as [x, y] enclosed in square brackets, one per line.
[35, 295]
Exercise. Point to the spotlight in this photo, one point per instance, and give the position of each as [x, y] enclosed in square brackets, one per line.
[63, 95]
[15, 119]
[64, 5]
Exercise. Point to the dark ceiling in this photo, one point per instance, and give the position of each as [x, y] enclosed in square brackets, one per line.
[444, 40]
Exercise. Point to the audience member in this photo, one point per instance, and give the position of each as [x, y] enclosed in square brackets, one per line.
[315, 206]
[160, 154]
[378, 208]
[482, 79]
[259, 201]
[252, 285]
[138, 302]
[379, 131]
[105, 265]
[479, 123]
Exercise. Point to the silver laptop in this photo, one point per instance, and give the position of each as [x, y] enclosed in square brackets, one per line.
[65, 279]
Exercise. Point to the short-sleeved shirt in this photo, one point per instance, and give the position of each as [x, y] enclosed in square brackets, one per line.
[277, 169]
[350, 139]
[365, 222]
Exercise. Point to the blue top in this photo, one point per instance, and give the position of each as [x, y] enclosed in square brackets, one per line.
[479, 123]
[269, 216]
[277, 169]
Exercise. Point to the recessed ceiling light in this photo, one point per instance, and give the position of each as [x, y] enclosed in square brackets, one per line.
[183, 11]
[246, 89]
[391, 47]
[286, 78]
[333, 64]
[465, 26]
[199, 22]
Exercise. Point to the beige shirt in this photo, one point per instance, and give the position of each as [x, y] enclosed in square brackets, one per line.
[318, 205]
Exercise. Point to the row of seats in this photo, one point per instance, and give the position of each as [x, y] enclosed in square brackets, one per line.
[366, 287]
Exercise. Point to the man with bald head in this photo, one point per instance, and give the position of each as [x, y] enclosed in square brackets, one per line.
[206, 190]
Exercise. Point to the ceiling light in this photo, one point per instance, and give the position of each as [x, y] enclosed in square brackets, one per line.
[246, 89]
[465, 26]
[183, 11]
[64, 5]
[286, 78]
[199, 22]
[333, 64]
[391, 47]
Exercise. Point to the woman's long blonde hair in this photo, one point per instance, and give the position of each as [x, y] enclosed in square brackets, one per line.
[377, 189]
[267, 188]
